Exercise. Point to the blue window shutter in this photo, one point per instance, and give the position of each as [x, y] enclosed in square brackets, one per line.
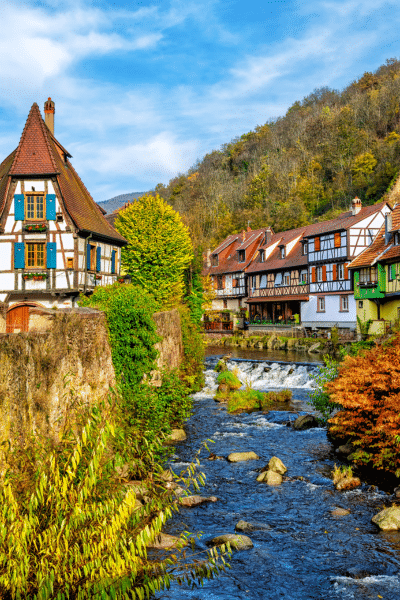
[19, 207]
[113, 261]
[98, 259]
[88, 257]
[51, 207]
[51, 255]
[19, 255]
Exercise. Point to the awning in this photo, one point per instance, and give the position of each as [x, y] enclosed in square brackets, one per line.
[302, 298]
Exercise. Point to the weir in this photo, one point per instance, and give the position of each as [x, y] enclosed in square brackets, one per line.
[302, 549]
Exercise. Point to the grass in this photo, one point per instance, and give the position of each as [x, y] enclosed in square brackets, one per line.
[230, 379]
[340, 473]
[246, 400]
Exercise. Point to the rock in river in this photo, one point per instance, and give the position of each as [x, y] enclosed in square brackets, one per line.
[305, 422]
[196, 500]
[270, 478]
[275, 464]
[388, 519]
[245, 526]
[176, 435]
[236, 541]
[241, 456]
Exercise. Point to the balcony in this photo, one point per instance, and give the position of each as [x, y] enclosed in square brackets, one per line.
[279, 291]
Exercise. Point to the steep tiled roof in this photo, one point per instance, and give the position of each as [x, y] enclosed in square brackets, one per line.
[345, 220]
[227, 251]
[33, 156]
[39, 153]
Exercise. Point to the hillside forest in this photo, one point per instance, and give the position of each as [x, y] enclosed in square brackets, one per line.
[300, 168]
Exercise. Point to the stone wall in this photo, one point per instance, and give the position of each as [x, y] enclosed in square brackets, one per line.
[46, 375]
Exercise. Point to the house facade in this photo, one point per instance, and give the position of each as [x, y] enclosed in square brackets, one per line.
[332, 245]
[54, 240]
[227, 266]
[377, 278]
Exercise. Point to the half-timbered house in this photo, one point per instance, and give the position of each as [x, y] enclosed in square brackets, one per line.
[377, 278]
[278, 279]
[227, 266]
[54, 240]
[332, 245]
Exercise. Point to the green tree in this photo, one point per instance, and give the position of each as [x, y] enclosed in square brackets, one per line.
[159, 248]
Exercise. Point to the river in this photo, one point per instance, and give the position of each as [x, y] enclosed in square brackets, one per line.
[302, 551]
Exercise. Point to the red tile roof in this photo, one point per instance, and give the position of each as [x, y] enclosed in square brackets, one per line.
[227, 252]
[39, 153]
[345, 220]
[378, 251]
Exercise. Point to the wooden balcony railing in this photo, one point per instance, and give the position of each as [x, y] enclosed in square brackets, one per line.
[281, 290]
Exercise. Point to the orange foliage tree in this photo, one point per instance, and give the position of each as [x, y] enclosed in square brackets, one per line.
[368, 390]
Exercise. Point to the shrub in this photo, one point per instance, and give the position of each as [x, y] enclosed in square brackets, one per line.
[246, 400]
[191, 370]
[220, 366]
[320, 398]
[72, 531]
[229, 378]
[367, 391]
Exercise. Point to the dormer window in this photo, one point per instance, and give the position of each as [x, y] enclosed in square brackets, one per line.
[241, 255]
[214, 260]
[282, 252]
[396, 238]
[262, 255]
[304, 250]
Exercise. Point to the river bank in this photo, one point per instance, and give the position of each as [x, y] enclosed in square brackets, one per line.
[310, 540]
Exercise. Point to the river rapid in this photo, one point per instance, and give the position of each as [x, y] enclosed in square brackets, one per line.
[301, 550]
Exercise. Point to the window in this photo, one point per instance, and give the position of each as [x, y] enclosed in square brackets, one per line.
[220, 282]
[303, 277]
[241, 255]
[304, 249]
[368, 276]
[286, 279]
[253, 281]
[91, 257]
[35, 255]
[344, 304]
[360, 304]
[392, 272]
[263, 281]
[317, 244]
[396, 238]
[235, 283]
[225, 303]
[282, 252]
[340, 271]
[319, 273]
[321, 304]
[278, 279]
[262, 255]
[214, 260]
[34, 207]
[338, 241]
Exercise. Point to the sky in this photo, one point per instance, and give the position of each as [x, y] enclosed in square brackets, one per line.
[144, 89]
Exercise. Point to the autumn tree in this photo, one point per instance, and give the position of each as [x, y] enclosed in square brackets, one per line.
[159, 248]
[368, 392]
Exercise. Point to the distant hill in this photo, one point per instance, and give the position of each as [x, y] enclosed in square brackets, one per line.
[113, 203]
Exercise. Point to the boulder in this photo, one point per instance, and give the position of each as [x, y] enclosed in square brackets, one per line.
[340, 512]
[195, 500]
[275, 464]
[163, 541]
[245, 526]
[242, 456]
[396, 492]
[176, 435]
[314, 348]
[347, 483]
[236, 541]
[388, 519]
[305, 422]
[270, 478]
[345, 449]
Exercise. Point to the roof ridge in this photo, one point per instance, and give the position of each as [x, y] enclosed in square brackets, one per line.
[33, 116]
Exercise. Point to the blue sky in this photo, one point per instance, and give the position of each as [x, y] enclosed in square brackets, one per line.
[145, 88]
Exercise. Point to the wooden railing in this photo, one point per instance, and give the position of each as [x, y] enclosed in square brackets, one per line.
[235, 291]
[281, 290]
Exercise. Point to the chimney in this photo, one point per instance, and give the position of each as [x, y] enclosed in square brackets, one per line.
[243, 235]
[268, 236]
[49, 111]
[356, 206]
[249, 228]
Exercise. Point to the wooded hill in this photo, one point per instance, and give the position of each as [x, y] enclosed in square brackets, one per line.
[300, 168]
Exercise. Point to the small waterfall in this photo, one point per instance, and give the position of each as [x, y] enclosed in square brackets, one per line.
[262, 375]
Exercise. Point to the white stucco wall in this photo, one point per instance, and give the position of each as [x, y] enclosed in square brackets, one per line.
[332, 315]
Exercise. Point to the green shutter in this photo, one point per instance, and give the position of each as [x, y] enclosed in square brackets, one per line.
[392, 272]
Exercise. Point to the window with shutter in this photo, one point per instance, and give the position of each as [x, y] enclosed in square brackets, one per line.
[334, 273]
[113, 257]
[51, 261]
[337, 239]
[324, 273]
[19, 255]
[35, 207]
[19, 207]
[35, 255]
[317, 244]
[51, 207]
[98, 259]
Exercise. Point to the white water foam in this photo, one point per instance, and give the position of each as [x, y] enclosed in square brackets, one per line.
[349, 588]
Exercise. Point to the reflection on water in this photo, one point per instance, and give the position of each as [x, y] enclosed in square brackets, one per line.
[302, 552]
[254, 354]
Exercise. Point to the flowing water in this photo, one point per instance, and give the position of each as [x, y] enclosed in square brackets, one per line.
[301, 550]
